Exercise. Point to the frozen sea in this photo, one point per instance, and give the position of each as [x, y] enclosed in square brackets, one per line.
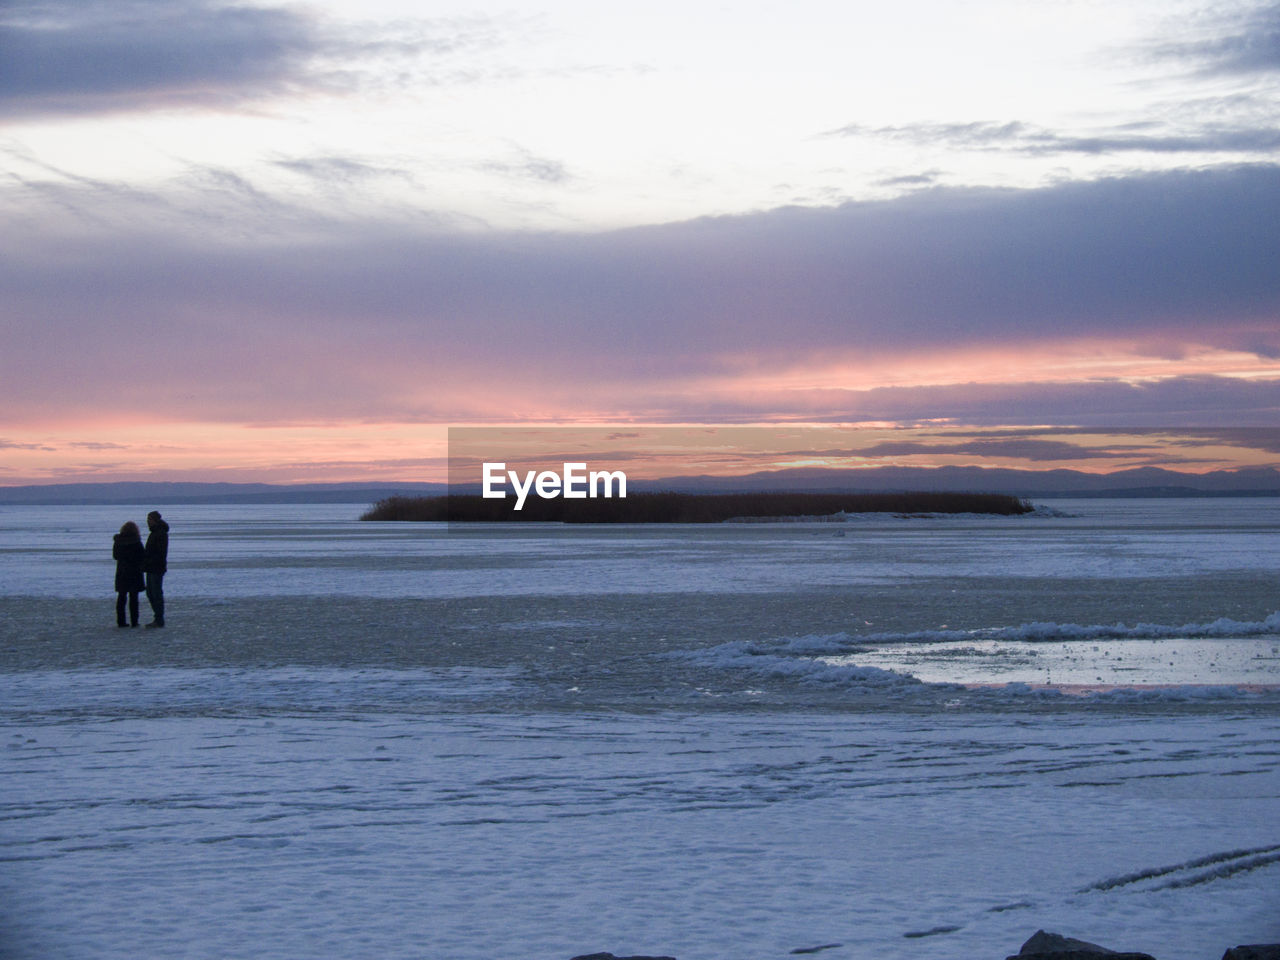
[917, 738]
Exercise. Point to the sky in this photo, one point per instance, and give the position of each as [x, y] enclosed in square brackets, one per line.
[297, 242]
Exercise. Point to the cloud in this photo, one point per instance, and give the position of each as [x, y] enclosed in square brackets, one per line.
[927, 178]
[344, 170]
[1023, 449]
[1200, 401]
[375, 319]
[1265, 439]
[96, 56]
[1175, 401]
[1025, 138]
[1242, 43]
[1114, 441]
[86, 57]
[527, 166]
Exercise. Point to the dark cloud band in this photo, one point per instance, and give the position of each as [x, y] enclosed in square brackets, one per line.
[1179, 260]
[91, 57]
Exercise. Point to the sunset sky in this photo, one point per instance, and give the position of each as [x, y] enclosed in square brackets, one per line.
[296, 242]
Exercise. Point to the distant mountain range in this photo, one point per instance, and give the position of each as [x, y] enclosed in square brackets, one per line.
[160, 493]
[1142, 482]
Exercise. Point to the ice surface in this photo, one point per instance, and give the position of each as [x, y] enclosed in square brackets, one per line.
[279, 819]
[221, 552]
[386, 740]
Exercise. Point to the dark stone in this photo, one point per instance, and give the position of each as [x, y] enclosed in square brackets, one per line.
[1043, 942]
[1054, 946]
[1254, 951]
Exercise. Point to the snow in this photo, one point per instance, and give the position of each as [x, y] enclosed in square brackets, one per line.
[545, 743]
[282, 831]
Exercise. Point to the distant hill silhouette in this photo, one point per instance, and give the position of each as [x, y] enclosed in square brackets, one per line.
[641, 507]
[1143, 481]
[192, 492]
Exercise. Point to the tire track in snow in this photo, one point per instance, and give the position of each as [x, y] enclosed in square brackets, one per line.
[1223, 865]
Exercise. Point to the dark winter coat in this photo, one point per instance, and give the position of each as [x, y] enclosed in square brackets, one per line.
[130, 556]
[157, 548]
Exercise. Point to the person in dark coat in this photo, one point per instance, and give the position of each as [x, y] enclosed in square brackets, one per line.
[129, 555]
[156, 564]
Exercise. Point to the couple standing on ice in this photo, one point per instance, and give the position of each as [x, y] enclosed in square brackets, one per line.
[140, 567]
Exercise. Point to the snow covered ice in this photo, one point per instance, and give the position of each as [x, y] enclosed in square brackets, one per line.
[404, 741]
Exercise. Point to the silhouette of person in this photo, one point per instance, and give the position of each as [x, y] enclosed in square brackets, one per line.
[156, 564]
[129, 554]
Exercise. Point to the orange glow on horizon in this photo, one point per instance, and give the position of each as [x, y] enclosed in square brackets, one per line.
[233, 453]
[372, 453]
[802, 434]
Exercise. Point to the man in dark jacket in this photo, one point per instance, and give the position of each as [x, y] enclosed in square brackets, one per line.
[155, 565]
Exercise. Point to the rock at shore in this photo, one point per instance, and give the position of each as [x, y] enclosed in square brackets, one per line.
[1044, 946]
[1054, 946]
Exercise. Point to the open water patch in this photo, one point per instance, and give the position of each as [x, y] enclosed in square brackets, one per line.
[1223, 657]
